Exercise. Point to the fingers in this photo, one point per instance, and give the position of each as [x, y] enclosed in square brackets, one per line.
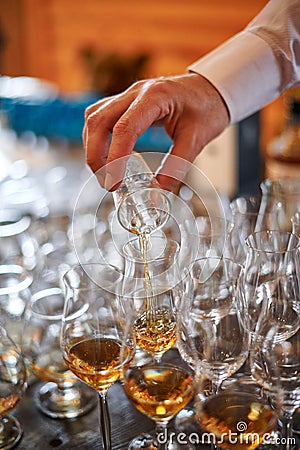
[113, 126]
[188, 106]
[176, 165]
[97, 133]
[131, 125]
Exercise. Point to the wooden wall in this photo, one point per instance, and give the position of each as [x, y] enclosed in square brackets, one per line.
[44, 37]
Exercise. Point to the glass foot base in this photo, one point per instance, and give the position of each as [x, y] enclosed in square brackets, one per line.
[144, 441]
[186, 422]
[10, 432]
[65, 403]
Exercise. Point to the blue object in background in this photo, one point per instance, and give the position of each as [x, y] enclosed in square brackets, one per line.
[33, 105]
[63, 117]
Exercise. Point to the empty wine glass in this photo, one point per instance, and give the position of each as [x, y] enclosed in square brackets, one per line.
[246, 219]
[17, 244]
[211, 335]
[12, 388]
[56, 247]
[211, 286]
[271, 281]
[295, 219]
[285, 356]
[206, 235]
[91, 333]
[61, 395]
[15, 294]
[283, 197]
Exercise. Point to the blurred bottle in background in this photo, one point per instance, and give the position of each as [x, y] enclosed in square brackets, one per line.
[282, 155]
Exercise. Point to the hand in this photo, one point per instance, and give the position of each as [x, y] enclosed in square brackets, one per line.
[190, 108]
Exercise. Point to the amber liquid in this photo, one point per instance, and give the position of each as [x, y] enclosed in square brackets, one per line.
[158, 391]
[225, 415]
[156, 327]
[144, 248]
[8, 403]
[156, 332]
[95, 361]
[50, 366]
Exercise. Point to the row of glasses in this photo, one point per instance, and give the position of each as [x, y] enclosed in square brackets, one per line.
[139, 302]
[176, 294]
[108, 331]
[280, 202]
[270, 287]
[268, 290]
[271, 300]
[147, 374]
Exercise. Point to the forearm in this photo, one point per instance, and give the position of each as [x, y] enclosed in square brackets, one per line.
[258, 64]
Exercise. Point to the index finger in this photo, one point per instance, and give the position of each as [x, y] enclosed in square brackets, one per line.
[139, 116]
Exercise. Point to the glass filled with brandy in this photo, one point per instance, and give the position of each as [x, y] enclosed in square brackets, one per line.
[240, 415]
[92, 335]
[158, 388]
[151, 291]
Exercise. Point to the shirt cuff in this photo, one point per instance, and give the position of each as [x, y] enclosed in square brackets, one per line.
[245, 72]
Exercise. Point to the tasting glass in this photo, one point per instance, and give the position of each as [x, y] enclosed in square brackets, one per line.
[17, 244]
[12, 388]
[271, 281]
[206, 235]
[61, 395]
[241, 415]
[142, 206]
[151, 291]
[15, 293]
[210, 335]
[283, 198]
[246, 219]
[92, 335]
[53, 235]
[285, 356]
[159, 389]
[295, 219]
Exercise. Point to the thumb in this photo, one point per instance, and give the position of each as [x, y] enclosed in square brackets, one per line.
[174, 168]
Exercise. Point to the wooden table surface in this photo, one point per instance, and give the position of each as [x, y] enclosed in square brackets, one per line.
[43, 433]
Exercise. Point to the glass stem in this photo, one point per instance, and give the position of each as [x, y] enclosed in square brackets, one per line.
[287, 439]
[104, 421]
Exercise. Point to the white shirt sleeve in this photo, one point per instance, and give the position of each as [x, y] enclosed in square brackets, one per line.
[255, 66]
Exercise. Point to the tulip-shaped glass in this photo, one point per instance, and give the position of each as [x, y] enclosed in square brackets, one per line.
[92, 334]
